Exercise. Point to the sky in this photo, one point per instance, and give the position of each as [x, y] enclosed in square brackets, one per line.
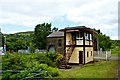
[24, 15]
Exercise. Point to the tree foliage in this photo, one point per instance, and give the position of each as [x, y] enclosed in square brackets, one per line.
[115, 43]
[104, 41]
[37, 39]
[17, 41]
[41, 32]
[54, 29]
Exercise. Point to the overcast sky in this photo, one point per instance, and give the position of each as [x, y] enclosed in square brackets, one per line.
[24, 15]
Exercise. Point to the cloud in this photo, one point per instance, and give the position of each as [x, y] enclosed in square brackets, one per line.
[15, 11]
[114, 37]
[103, 12]
[95, 14]
[101, 15]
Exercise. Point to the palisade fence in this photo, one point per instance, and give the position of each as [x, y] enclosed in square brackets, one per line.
[102, 54]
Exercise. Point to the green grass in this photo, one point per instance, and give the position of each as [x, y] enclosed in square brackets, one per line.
[102, 55]
[115, 51]
[101, 69]
[115, 55]
[0, 76]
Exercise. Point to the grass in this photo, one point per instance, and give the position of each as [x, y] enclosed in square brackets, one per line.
[101, 69]
[102, 54]
[115, 51]
[115, 55]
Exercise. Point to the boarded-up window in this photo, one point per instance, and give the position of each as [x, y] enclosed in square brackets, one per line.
[59, 42]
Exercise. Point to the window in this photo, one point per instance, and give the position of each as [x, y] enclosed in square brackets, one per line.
[87, 54]
[86, 36]
[59, 42]
[91, 53]
[91, 37]
[79, 35]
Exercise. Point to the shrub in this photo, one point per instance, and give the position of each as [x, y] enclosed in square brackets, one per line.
[51, 55]
[29, 62]
[43, 66]
[6, 75]
[58, 59]
[53, 71]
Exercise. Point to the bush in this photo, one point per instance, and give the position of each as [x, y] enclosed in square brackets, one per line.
[53, 71]
[6, 75]
[43, 66]
[30, 62]
[51, 55]
[58, 59]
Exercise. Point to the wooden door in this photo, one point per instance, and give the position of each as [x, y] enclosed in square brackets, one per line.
[80, 57]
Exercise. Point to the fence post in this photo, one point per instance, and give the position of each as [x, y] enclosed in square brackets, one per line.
[110, 52]
[98, 52]
[106, 55]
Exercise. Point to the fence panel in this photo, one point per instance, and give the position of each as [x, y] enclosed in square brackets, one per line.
[102, 54]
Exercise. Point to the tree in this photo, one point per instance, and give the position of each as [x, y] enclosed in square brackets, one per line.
[32, 48]
[40, 34]
[104, 41]
[54, 29]
[18, 41]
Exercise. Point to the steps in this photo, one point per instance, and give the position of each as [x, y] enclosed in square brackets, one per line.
[69, 53]
[65, 67]
[64, 62]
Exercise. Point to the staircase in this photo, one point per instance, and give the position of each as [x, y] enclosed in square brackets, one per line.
[66, 58]
[69, 53]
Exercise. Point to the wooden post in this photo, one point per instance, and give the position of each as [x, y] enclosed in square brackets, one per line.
[106, 55]
[98, 52]
[110, 52]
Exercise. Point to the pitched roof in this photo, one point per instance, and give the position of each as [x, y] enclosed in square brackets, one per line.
[56, 34]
